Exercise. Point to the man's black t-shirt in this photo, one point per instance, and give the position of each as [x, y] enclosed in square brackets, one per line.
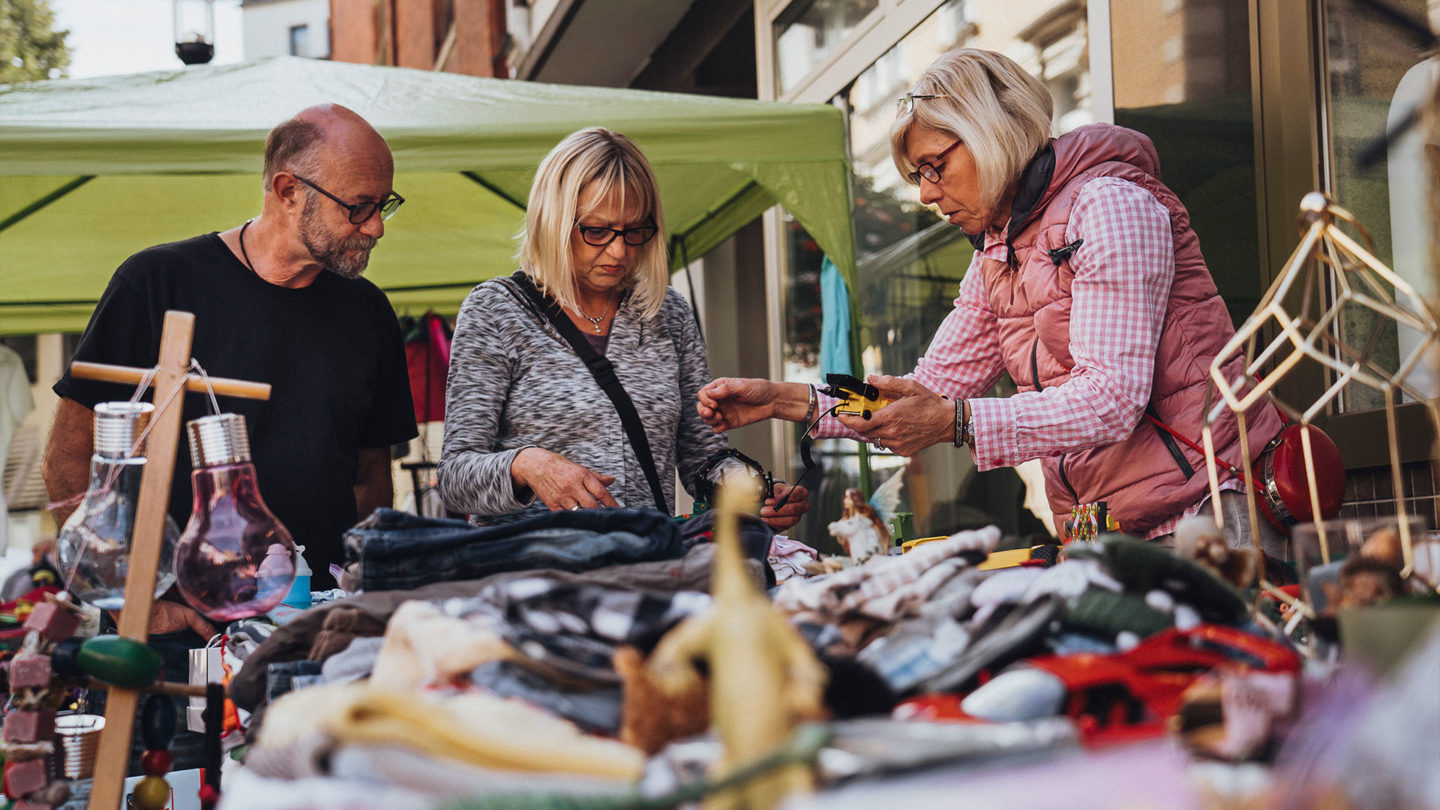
[332, 353]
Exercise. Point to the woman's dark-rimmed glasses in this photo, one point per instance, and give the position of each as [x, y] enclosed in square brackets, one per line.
[361, 212]
[928, 170]
[596, 236]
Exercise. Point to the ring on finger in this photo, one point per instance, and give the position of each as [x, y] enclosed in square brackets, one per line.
[574, 507]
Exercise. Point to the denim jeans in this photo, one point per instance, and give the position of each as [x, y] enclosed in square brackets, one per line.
[398, 550]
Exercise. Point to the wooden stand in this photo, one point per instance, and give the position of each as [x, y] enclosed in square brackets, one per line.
[171, 375]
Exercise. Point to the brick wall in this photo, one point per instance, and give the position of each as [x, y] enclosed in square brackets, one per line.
[411, 33]
[1370, 492]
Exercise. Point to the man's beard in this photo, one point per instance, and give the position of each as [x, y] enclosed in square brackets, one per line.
[333, 253]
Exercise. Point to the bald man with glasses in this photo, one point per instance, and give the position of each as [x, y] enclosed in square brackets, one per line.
[277, 299]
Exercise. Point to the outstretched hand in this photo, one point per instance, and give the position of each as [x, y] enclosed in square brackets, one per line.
[917, 419]
[559, 482]
[727, 403]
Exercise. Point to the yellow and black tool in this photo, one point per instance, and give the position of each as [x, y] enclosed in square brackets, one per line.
[857, 398]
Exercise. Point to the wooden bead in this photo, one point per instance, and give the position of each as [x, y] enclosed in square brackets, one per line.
[120, 661]
[53, 622]
[24, 777]
[30, 671]
[156, 763]
[151, 793]
[157, 722]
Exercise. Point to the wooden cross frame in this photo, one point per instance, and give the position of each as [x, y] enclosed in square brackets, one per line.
[171, 374]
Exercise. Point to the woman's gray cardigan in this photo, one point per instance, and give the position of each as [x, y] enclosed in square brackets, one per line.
[515, 383]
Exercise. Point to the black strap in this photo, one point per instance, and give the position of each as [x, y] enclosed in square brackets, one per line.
[1169, 442]
[604, 373]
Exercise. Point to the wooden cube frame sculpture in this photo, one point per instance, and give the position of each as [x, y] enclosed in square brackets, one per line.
[1328, 271]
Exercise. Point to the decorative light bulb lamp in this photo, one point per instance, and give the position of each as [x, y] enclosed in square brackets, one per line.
[94, 544]
[234, 559]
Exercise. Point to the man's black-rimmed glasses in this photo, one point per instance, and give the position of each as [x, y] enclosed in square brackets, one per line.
[361, 212]
[596, 236]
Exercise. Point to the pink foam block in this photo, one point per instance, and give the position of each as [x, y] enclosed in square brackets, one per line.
[52, 621]
[24, 777]
[30, 672]
[24, 726]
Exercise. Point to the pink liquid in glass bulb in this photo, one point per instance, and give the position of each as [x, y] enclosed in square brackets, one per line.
[234, 559]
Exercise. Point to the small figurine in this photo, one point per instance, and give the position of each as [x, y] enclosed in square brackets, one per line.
[651, 717]
[1198, 538]
[860, 530]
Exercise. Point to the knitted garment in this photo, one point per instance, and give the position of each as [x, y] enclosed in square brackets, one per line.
[1142, 567]
[515, 383]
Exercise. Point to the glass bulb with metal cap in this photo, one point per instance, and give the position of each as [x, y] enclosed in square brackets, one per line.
[235, 559]
[93, 548]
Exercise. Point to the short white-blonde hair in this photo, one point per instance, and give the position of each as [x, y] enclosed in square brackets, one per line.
[613, 165]
[993, 105]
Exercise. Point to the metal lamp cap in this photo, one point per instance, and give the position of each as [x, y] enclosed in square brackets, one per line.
[118, 425]
[219, 439]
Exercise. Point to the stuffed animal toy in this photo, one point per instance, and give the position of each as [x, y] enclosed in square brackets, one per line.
[650, 717]
[1198, 538]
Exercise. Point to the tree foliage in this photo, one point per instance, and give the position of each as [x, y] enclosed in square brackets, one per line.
[30, 47]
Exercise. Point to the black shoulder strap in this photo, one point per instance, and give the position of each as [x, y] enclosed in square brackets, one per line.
[604, 373]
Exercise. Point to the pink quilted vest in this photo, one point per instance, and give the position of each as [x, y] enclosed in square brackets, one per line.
[1140, 479]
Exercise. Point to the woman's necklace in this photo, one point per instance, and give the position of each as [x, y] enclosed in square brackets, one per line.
[595, 322]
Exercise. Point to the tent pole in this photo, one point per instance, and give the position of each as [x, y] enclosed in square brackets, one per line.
[46, 200]
[492, 188]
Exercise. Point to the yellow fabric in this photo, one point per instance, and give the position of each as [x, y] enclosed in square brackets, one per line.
[476, 729]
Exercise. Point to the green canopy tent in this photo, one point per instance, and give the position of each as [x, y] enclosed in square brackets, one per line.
[94, 170]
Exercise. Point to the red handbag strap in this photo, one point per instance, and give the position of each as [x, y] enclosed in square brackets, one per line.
[1186, 440]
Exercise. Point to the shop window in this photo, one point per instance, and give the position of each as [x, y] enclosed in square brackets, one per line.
[810, 32]
[299, 40]
[1375, 77]
[1198, 110]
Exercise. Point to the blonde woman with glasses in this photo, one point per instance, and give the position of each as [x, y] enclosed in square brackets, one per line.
[528, 426]
[1087, 286]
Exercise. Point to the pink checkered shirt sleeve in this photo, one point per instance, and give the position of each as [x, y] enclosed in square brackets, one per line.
[1122, 280]
[964, 356]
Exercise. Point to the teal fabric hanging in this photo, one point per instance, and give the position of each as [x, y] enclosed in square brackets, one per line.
[834, 321]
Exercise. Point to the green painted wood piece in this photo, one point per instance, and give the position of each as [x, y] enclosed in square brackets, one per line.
[120, 661]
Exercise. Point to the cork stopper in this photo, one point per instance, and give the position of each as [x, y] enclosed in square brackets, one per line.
[219, 439]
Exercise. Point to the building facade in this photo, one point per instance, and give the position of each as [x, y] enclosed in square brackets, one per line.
[286, 28]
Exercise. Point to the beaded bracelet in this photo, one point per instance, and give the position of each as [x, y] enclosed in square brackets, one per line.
[963, 433]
